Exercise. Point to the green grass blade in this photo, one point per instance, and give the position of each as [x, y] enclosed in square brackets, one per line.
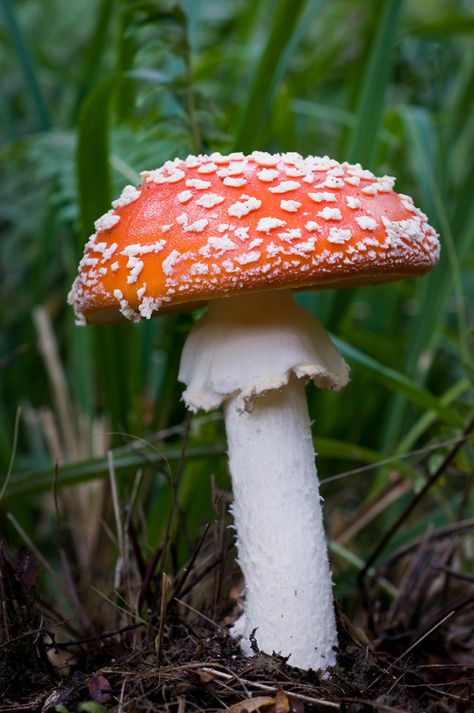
[369, 104]
[283, 37]
[460, 106]
[353, 452]
[126, 461]
[428, 418]
[93, 172]
[433, 292]
[28, 65]
[6, 436]
[95, 50]
[450, 24]
[399, 383]
[7, 121]
[93, 148]
[464, 215]
[358, 563]
[114, 345]
[447, 275]
[126, 48]
[336, 115]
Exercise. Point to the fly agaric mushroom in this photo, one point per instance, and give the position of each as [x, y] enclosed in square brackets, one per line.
[241, 233]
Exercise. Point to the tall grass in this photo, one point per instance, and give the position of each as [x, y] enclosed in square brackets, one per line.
[385, 83]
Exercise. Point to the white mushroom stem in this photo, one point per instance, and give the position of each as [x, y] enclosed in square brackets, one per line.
[281, 543]
[254, 354]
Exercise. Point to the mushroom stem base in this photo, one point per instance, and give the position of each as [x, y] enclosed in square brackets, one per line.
[281, 541]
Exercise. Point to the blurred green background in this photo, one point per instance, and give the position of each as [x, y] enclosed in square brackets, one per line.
[92, 92]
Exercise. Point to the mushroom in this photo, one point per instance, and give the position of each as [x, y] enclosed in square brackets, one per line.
[240, 233]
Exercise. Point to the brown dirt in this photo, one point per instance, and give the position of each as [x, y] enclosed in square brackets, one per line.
[188, 662]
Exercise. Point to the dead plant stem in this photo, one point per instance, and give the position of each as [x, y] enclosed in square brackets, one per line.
[271, 689]
[418, 497]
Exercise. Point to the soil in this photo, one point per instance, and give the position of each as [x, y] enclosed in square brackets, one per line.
[176, 659]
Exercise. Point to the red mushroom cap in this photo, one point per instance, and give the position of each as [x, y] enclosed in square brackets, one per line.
[212, 226]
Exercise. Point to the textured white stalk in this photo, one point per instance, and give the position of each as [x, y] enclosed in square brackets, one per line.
[254, 354]
[280, 536]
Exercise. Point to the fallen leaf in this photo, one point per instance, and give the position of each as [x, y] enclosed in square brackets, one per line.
[297, 706]
[91, 707]
[282, 704]
[205, 676]
[99, 688]
[251, 704]
[61, 660]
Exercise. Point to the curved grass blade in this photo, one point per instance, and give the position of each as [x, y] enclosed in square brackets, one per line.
[42, 481]
[362, 142]
[143, 454]
[421, 426]
[451, 24]
[93, 148]
[95, 50]
[447, 274]
[434, 291]
[93, 172]
[117, 346]
[126, 49]
[399, 383]
[113, 345]
[358, 564]
[28, 67]
[336, 115]
[285, 32]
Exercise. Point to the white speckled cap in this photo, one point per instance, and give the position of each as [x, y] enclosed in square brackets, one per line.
[214, 226]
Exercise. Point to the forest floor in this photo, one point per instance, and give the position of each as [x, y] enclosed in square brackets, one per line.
[177, 659]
